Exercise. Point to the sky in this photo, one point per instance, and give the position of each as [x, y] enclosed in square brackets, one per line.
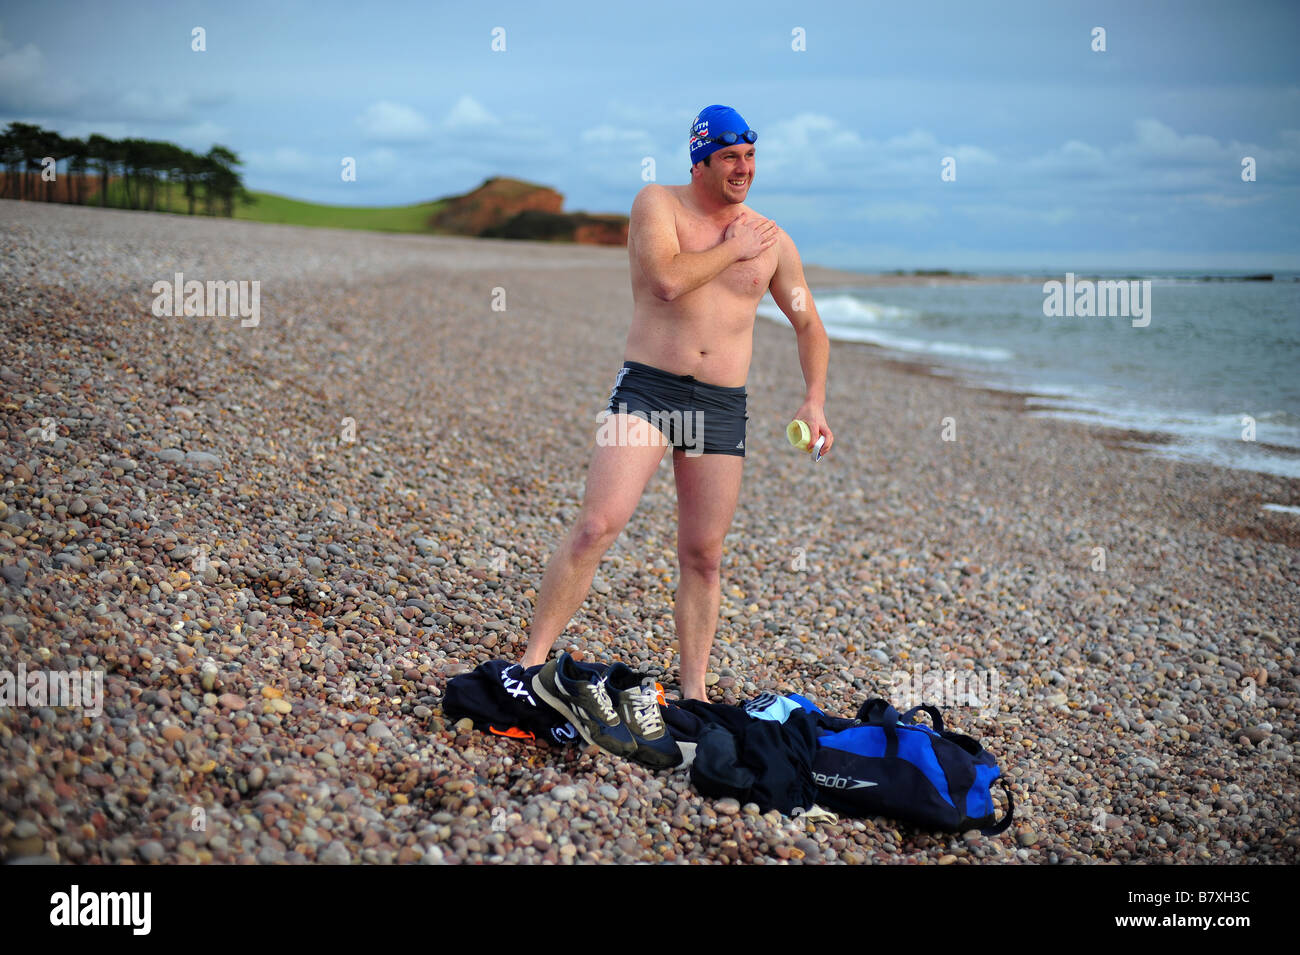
[1025, 136]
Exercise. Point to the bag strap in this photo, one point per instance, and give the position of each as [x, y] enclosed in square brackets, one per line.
[877, 712]
[891, 739]
[1005, 821]
[933, 712]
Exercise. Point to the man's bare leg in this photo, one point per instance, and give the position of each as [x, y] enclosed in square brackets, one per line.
[708, 487]
[615, 479]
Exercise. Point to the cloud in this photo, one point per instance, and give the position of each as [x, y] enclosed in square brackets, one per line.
[1073, 160]
[975, 155]
[387, 122]
[468, 112]
[1276, 165]
[813, 147]
[30, 86]
[1154, 142]
[825, 154]
[812, 130]
[1160, 162]
[16, 65]
[912, 143]
[27, 85]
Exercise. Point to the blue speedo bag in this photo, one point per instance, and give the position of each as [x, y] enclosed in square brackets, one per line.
[884, 764]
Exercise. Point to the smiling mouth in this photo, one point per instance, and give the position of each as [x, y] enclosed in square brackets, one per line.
[738, 182]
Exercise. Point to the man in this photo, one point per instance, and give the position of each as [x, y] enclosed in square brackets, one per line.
[701, 261]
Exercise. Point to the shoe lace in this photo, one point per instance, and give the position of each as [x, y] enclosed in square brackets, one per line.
[645, 707]
[599, 696]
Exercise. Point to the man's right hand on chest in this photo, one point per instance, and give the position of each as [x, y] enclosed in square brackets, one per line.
[753, 235]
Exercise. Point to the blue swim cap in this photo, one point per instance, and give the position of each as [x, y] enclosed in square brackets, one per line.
[713, 121]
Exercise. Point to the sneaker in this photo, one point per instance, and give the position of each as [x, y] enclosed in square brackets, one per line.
[637, 699]
[580, 694]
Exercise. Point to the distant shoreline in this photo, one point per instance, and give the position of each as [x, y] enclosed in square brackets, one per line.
[826, 275]
[822, 275]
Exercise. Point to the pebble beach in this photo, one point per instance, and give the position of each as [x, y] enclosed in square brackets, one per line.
[278, 542]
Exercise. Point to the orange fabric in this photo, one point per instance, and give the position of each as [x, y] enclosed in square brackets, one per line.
[513, 732]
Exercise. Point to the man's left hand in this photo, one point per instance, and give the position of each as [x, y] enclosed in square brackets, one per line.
[813, 415]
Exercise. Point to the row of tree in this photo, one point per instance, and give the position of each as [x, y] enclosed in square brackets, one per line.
[140, 165]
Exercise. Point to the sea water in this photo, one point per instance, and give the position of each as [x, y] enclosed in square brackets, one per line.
[1215, 371]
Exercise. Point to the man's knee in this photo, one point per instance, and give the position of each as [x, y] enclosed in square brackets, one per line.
[702, 558]
[593, 533]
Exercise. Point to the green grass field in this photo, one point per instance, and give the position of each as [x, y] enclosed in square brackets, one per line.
[272, 208]
[281, 209]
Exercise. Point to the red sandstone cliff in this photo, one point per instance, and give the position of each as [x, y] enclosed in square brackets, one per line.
[513, 209]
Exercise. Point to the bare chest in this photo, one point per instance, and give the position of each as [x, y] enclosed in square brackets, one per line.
[748, 279]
